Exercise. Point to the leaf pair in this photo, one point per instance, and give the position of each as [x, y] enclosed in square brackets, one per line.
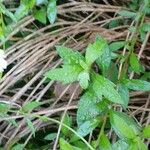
[71, 69]
[76, 67]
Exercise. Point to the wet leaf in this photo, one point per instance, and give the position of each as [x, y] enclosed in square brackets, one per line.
[123, 125]
[68, 55]
[87, 107]
[103, 86]
[135, 84]
[95, 50]
[104, 60]
[88, 126]
[120, 145]
[83, 79]
[124, 93]
[67, 74]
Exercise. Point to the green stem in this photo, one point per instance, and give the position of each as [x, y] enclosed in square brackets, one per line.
[101, 131]
[131, 44]
[73, 131]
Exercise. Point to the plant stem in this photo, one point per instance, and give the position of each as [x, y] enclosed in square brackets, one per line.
[101, 131]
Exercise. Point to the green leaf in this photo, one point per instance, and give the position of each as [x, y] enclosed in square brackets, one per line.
[24, 8]
[39, 2]
[124, 126]
[112, 73]
[134, 62]
[29, 3]
[5, 11]
[133, 146]
[84, 79]
[67, 121]
[115, 23]
[4, 107]
[40, 15]
[67, 74]
[76, 148]
[103, 105]
[88, 126]
[95, 50]
[103, 86]
[30, 106]
[141, 145]
[64, 145]
[31, 126]
[81, 145]
[117, 45]
[146, 2]
[104, 60]
[52, 11]
[125, 13]
[146, 27]
[21, 11]
[2, 34]
[146, 10]
[18, 147]
[124, 93]
[145, 76]
[69, 56]
[120, 145]
[146, 132]
[11, 121]
[87, 107]
[50, 137]
[135, 84]
[104, 143]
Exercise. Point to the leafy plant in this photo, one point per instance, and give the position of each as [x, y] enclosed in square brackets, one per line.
[105, 86]
[96, 104]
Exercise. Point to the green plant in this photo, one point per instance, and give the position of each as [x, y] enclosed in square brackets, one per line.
[101, 94]
[103, 73]
[39, 9]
